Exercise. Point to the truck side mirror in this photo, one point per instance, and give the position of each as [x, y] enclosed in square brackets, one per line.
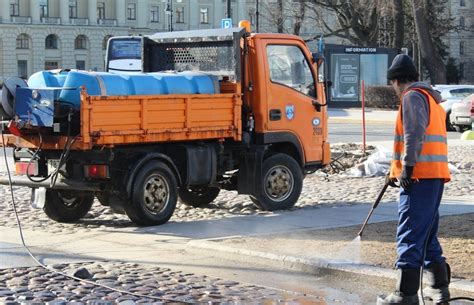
[318, 58]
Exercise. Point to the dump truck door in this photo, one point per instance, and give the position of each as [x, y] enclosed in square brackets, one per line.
[291, 92]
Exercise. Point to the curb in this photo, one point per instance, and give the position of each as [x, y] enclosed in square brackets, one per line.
[315, 266]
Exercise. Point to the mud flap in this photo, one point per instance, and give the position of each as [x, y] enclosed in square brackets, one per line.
[249, 178]
[38, 197]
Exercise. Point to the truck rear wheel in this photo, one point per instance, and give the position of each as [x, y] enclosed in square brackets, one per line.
[154, 195]
[281, 185]
[198, 196]
[67, 206]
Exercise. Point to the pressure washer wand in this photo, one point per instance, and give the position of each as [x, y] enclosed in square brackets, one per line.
[374, 206]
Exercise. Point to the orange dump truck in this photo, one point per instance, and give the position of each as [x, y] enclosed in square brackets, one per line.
[261, 130]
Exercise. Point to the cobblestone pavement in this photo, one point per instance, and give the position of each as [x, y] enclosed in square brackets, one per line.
[36, 285]
[318, 190]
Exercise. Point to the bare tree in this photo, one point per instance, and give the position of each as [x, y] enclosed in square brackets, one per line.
[356, 21]
[274, 15]
[430, 55]
[299, 12]
[280, 16]
[398, 16]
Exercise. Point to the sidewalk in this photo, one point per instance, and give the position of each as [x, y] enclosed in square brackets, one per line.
[157, 244]
[354, 115]
[299, 250]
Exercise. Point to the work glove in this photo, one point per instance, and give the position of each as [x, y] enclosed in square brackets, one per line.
[405, 178]
[391, 181]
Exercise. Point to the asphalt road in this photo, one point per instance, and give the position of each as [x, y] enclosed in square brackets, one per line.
[352, 132]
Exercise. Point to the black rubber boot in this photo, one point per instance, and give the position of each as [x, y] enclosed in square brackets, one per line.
[438, 276]
[406, 290]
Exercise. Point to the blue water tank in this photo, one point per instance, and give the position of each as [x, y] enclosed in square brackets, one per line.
[42, 79]
[112, 84]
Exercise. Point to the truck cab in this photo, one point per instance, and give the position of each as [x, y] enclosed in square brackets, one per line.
[288, 101]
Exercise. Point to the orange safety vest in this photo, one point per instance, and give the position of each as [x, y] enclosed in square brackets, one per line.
[432, 162]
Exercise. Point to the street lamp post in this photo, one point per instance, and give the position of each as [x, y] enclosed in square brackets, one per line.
[256, 15]
[169, 12]
[228, 9]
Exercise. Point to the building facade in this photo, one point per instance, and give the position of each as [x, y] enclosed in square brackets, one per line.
[46, 34]
[461, 42]
[68, 34]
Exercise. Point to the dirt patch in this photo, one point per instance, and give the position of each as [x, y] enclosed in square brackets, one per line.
[377, 246]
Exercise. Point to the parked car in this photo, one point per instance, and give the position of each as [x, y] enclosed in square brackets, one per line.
[452, 94]
[462, 114]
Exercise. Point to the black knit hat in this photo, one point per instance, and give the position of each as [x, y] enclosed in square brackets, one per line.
[402, 68]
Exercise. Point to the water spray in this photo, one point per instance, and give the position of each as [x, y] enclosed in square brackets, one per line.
[374, 206]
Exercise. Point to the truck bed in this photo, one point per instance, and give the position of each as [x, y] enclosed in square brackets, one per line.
[126, 120]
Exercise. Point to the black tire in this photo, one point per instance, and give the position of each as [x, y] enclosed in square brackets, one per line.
[113, 201]
[198, 196]
[449, 126]
[282, 181]
[67, 206]
[154, 195]
[461, 128]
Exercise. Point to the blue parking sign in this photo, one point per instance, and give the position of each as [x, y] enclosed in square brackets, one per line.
[226, 23]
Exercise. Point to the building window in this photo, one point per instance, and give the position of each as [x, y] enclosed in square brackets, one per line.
[14, 7]
[155, 14]
[51, 65]
[461, 70]
[462, 21]
[80, 43]
[51, 42]
[72, 8]
[80, 64]
[131, 11]
[204, 15]
[105, 42]
[180, 14]
[462, 3]
[23, 41]
[461, 48]
[101, 10]
[23, 69]
[44, 12]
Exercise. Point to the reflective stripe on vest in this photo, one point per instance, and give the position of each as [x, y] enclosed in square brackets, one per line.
[423, 158]
[426, 139]
[432, 160]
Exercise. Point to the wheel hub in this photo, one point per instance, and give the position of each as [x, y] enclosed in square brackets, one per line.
[279, 183]
[156, 194]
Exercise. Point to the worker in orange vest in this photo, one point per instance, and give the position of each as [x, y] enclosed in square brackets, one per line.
[420, 165]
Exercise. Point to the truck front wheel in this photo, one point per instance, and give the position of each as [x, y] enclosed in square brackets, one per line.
[154, 195]
[281, 185]
[67, 206]
[198, 196]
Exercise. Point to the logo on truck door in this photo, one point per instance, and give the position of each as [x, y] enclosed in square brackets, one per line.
[290, 112]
